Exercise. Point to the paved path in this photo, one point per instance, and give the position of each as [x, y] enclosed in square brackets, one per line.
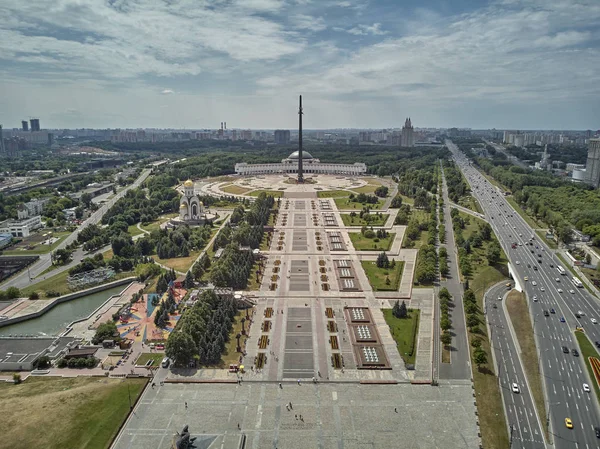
[459, 366]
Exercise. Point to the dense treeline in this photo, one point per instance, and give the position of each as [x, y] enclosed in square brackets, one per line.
[457, 186]
[560, 204]
[233, 268]
[202, 331]
[204, 161]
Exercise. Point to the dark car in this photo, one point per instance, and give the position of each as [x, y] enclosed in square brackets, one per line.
[546, 313]
[551, 265]
[597, 344]
[535, 268]
[565, 349]
[552, 311]
[575, 352]
[577, 315]
[597, 431]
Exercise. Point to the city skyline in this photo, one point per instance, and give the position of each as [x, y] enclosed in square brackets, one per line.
[510, 64]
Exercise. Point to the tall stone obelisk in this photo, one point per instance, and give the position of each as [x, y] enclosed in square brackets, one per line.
[300, 174]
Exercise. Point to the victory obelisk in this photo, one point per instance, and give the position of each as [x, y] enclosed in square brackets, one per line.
[300, 174]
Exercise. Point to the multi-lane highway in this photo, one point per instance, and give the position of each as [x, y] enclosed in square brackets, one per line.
[518, 401]
[535, 268]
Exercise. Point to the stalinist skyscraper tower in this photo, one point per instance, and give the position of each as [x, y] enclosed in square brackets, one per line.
[408, 139]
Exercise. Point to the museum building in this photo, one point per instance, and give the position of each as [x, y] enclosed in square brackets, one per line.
[309, 165]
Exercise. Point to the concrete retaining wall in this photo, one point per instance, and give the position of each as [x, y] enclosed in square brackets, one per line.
[65, 298]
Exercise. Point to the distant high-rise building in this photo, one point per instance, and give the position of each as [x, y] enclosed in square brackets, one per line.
[24, 125]
[35, 124]
[592, 167]
[408, 138]
[2, 150]
[282, 136]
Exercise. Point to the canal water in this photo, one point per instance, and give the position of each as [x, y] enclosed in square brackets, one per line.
[56, 320]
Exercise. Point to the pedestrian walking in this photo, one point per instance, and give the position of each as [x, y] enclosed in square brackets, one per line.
[395, 409]
[238, 426]
[287, 407]
[301, 418]
[298, 381]
[296, 416]
[280, 386]
[186, 405]
[290, 404]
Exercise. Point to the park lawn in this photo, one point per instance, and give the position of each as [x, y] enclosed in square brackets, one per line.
[377, 276]
[263, 243]
[369, 188]
[588, 350]
[235, 190]
[181, 264]
[74, 412]
[39, 248]
[133, 230]
[332, 194]
[273, 193]
[470, 203]
[518, 311]
[361, 243]
[58, 283]
[230, 355]
[155, 225]
[407, 200]
[542, 236]
[145, 356]
[405, 333]
[345, 203]
[376, 220]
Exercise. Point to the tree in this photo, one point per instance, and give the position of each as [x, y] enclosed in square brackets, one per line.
[61, 256]
[471, 307]
[476, 343]
[86, 199]
[446, 338]
[445, 323]
[444, 293]
[588, 259]
[480, 357]
[189, 281]
[396, 202]
[180, 348]
[396, 309]
[493, 253]
[382, 261]
[237, 337]
[472, 320]
[161, 285]
[105, 331]
[13, 292]
[403, 311]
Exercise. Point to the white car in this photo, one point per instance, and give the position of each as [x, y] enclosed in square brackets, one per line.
[534, 298]
[542, 289]
[515, 388]
[559, 290]
[586, 388]
[534, 283]
[557, 279]
[580, 313]
[594, 321]
[518, 263]
[572, 292]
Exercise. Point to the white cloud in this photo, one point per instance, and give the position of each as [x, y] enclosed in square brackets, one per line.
[166, 91]
[306, 22]
[363, 30]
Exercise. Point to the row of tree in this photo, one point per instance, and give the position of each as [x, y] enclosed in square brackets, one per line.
[202, 331]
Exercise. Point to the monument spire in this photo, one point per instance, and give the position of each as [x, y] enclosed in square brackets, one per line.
[300, 174]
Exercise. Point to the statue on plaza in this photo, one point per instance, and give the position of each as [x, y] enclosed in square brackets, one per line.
[184, 440]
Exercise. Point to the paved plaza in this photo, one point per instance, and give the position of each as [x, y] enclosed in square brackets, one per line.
[334, 415]
[316, 318]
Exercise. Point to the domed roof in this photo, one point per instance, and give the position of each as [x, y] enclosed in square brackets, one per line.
[296, 155]
[188, 183]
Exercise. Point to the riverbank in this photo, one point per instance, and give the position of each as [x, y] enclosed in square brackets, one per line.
[25, 309]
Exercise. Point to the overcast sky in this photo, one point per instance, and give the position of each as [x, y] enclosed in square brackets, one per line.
[523, 64]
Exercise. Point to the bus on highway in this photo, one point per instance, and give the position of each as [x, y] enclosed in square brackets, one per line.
[561, 270]
[577, 282]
